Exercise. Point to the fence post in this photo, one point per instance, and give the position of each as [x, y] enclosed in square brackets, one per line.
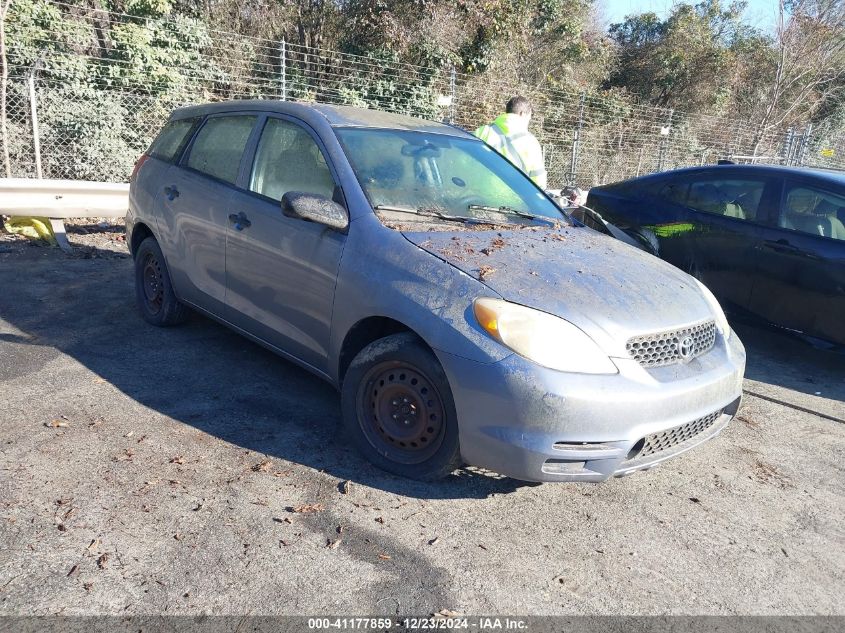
[805, 142]
[786, 152]
[452, 95]
[284, 69]
[664, 142]
[576, 141]
[36, 139]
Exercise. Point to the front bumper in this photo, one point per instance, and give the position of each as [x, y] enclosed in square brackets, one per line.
[537, 424]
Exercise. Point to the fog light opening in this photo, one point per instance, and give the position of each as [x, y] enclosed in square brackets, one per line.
[636, 449]
[562, 467]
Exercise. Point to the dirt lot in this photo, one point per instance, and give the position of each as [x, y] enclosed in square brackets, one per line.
[149, 471]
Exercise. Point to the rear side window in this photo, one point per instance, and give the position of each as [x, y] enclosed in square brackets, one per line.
[172, 138]
[219, 146]
[734, 198]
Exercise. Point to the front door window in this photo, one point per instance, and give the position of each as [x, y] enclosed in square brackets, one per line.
[813, 211]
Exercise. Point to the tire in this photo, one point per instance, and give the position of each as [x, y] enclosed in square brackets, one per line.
[153, 290]
[399, 411]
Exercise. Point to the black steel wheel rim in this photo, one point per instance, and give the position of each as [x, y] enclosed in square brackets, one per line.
[401, 412]
[152, 283]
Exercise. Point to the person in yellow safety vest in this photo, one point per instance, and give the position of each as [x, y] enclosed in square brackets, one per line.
[509, 136]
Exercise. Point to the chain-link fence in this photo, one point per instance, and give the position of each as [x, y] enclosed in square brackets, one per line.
[95, 117]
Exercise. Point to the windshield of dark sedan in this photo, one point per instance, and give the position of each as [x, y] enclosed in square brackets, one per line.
[424, 171]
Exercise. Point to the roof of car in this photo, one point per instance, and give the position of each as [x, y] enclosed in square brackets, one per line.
[830, 175]
[336, 116]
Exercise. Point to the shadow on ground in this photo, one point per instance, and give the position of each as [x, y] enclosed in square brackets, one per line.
[200, 374]
[788, 361]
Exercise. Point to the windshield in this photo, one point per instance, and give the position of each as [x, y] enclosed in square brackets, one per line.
[451, 176]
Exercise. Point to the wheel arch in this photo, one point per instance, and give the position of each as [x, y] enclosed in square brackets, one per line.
[364, 332]
[140, 232]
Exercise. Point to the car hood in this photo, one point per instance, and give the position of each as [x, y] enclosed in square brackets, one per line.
[610, 290]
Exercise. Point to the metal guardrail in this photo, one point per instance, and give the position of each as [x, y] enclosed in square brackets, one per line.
[62, 199]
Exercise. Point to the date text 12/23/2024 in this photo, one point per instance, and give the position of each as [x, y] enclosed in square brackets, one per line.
[437, 623]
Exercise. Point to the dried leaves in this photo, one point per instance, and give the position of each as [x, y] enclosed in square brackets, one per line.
[485, 272]
[262, 467]
[307, 508]
[495, 245]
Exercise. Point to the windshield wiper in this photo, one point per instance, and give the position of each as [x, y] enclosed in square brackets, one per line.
[431, 213]
[509, 211]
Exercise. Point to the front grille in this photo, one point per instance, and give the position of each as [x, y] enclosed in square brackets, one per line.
[664, 440]
[676, 346]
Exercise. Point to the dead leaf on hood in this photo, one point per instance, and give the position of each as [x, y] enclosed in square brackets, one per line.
[384, 556]
[333, 544]
[344, 487]
[262, 467]
[55, 424]
[434, 540]
[73, 570]
[307, 508]
[447, 613]
[103, 560]
[177, 460]
[93, 544]
[485, 272]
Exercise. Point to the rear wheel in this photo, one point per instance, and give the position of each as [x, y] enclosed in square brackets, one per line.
[399, 411]
[153, 290]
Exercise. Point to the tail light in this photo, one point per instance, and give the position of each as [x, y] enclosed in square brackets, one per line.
[143, 159]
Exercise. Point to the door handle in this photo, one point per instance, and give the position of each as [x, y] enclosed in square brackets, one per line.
[171, 192]
[781, 246]
[240, 220]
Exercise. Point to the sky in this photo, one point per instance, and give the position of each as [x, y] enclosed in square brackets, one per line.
[760, 13]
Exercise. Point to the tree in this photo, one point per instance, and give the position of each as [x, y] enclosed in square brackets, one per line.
[807, 68]
[683, 62]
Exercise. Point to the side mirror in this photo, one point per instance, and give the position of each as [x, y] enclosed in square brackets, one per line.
[315, 208]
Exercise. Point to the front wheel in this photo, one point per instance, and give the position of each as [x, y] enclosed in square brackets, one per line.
[398, 409]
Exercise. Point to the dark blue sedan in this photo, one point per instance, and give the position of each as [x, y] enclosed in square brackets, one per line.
[768, 241]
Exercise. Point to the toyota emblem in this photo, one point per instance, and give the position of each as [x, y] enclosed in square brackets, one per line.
[685, 348]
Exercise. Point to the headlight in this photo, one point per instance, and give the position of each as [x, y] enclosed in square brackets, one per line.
[540, 337]
[721, 321]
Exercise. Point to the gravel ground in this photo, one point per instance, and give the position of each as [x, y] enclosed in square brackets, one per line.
[188, 471]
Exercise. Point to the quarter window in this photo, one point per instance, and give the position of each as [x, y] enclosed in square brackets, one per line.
[734, 198]
[171, 139]
[814, 211]
[288, 159]
[675, 192]
[219, 146]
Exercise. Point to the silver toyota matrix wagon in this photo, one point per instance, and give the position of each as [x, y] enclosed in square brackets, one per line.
[462, 315]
